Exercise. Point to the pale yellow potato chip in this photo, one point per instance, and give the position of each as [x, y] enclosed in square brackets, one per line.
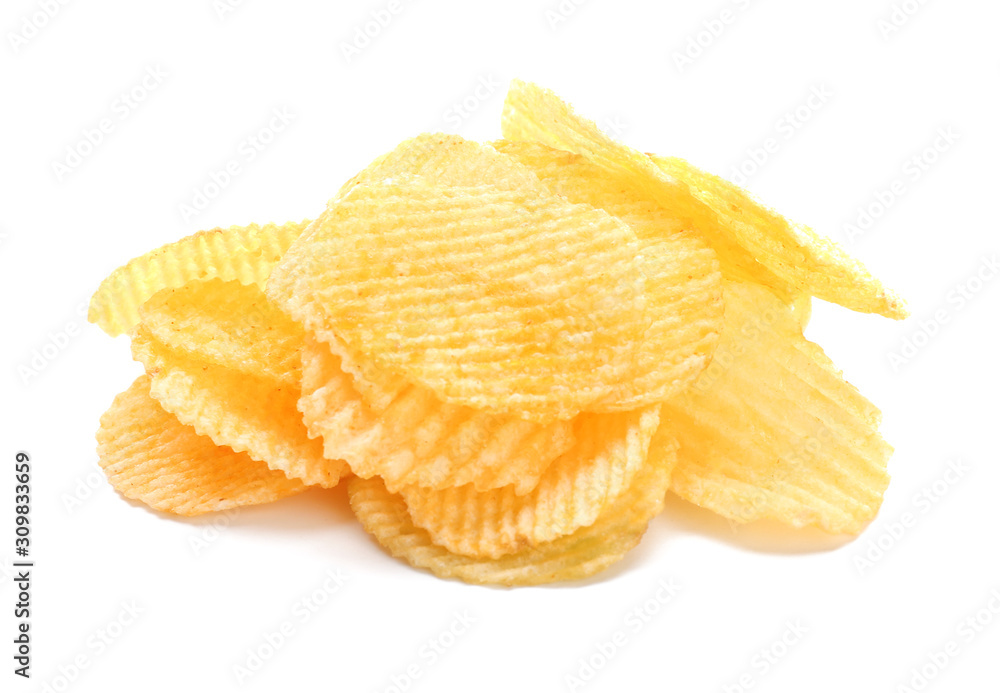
[242, 253]
[684, 285]
[149, 456]
[683, 281]
[211, 372]
[227, 324]
[439, 159]
[417, 439]
[752, 245]
[378, 387]
[772, 430]
[581, 554]
[572, 493]
[244, 412]
[805, 260]
[505, 301]
[447, 160]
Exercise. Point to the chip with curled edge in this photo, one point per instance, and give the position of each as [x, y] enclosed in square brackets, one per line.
[210, 354]
[419, 440]
[572, 492]
[772, 430]
[580, 554]
[753, 245]
[149, 456]
[242, 253]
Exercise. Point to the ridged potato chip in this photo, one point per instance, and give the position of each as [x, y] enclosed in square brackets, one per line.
[149, 456]
[505, 301]
[210, 373]
[772, 430]
[581, 554]
[439, 159]
[807, 261]
[752, 245]
[227, 324]
[447, 160]
[242, 253]
[572, 493]
[417, 439]
[683, 281]
[378, 387]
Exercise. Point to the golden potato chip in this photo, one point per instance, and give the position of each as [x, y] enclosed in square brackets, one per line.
[420, 440]
[244, 412]
[378, 387]
[208, 373]
[683, 281]
[684, 285]
[500, 300]
[581, 554]
[438, 159]
[445, 160]
[572, 493]
[807, 261]
[227, 324]
[752, 244]
[149, 456]
[679, 265]
[242, 253]
[772, 430]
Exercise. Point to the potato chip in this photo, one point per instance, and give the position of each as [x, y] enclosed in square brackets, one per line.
[438, 159]
[420, 440]
[227, 324]
[446, 160]
[208, 373]
[772, 430]
[149, 456]
[242, 253]
[246, 413]
[683, 282]
[499, 300]
[807, 261]
[581, 554]
[752, 244]
[572, 493]
[678, 264]
[378, 387]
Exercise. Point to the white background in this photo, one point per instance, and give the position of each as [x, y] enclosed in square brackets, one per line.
[889, 93]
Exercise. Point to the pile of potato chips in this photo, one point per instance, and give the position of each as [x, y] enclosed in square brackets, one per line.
[513, 350]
